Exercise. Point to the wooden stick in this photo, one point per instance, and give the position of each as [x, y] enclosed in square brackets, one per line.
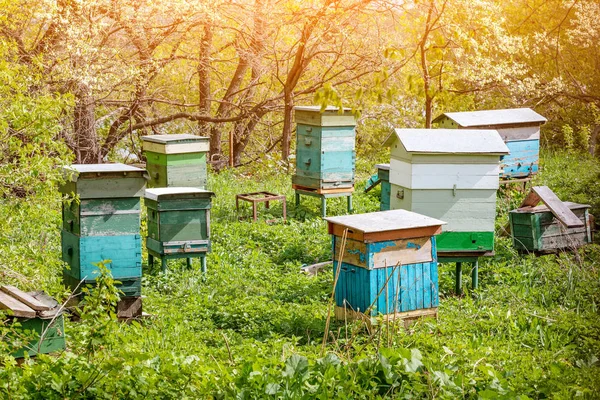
[335, 281]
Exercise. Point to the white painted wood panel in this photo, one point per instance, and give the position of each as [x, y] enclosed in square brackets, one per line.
[178, 148]
[450, 196]
[401, 173]
[448, 176]
[454, 159]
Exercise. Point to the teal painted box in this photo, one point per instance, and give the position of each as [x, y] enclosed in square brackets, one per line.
[388, 266]
[80, 253]
[325, 148]
[102, 217]
[176, 160]
[383, 174]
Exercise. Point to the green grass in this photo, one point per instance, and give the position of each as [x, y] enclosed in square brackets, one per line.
[253, 327]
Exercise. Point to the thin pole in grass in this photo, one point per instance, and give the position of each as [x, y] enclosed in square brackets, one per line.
[335, 281]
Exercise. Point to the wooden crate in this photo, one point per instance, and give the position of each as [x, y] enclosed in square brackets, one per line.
[81, 253]
[537, 229]
[178, 219]
[325, 148]
[176, 160]
[450, 175]
[389, 263]
[103, 181]
[518, 127]
[40, 318]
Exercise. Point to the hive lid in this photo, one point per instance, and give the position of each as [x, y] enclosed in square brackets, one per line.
[382, 221]
[385, 167]
[28, 305]
[176, 192]
[176, 138]
[330, 116]
[317, 109]
[510, 116]
[562, 211]
[449, 141]
[81, 171]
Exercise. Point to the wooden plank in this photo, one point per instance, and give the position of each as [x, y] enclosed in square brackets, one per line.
[519, 133]
[558, 208]
[323, 191]
[18, 308]
[386, 254]
[25, 298]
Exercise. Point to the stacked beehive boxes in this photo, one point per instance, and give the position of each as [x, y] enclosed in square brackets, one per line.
[388, 266]
[518, 127]
[451, 175]
[176, 160]
[101, 221]
[325, 155]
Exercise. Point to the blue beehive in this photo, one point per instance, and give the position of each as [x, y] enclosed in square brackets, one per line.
[101, 221]
[325, 156]
[518, 127]
[389, 264]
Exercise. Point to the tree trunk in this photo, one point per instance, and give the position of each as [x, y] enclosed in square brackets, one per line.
[288, 110]
[243, 132]
[594, 140]
[203, 70]
[84, 127]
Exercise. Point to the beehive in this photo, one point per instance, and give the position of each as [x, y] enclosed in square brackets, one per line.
[101, 221]
[451, 175]
[176, 160]
[389, 263]
[547, 228]
[518, 127]
[40, 318]
[383, 174]
[178, 222]
[325, 141]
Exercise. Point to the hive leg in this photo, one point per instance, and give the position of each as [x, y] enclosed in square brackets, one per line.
[458, 288]
[203, 263]
[189, 263]
[163, 263]
[297, 198]
[350, 204]
[475, 275]
[323, 207]
[150, 260]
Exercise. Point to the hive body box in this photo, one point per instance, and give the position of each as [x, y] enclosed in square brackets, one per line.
[178, 223]
[37, 314]
[451, 175]
[325, 156]
[103, 224]
[518, 127]
[176, 160]
[389, 264]
[536, 229]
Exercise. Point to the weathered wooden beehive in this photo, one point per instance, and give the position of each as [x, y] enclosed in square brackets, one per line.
[178, 223]
[176, 160]
[451, 175]
[383, 173]
[101, 221]
[547, 228]
[325, 156]
[40, 319]
[518, 127]
[389, 264]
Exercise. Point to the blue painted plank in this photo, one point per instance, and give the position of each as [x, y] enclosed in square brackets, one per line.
[427, 285]
[412, 298]
[419, 285]
[404, 302]
[434, 284]
[523, 159]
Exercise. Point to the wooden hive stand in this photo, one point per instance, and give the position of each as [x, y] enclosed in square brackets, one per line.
[260, 197]
[40, 317]
[385, 263]
[324, 194]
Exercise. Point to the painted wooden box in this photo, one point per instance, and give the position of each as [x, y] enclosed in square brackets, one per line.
[102, 217]
[451, 175]
[536, 229]
[383, 173]
[178, 220]
[389, 263]
[103, 181]
[518, 127]
[176, 160]
[325, 148]
[41, 329]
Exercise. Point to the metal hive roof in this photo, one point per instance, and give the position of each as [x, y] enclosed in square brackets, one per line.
[508, 116]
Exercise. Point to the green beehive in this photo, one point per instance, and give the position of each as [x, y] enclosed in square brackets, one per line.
[41, 327]
[176, 160]
[101, 221]
[178, 220]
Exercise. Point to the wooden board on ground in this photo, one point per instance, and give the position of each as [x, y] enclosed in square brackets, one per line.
[558, 208]
[18, 308]
[24, 298]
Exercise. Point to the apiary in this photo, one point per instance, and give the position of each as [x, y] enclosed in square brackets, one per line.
[388, 265]
[176, 160]
[101, 221]
[518, 127]
[178, 220]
